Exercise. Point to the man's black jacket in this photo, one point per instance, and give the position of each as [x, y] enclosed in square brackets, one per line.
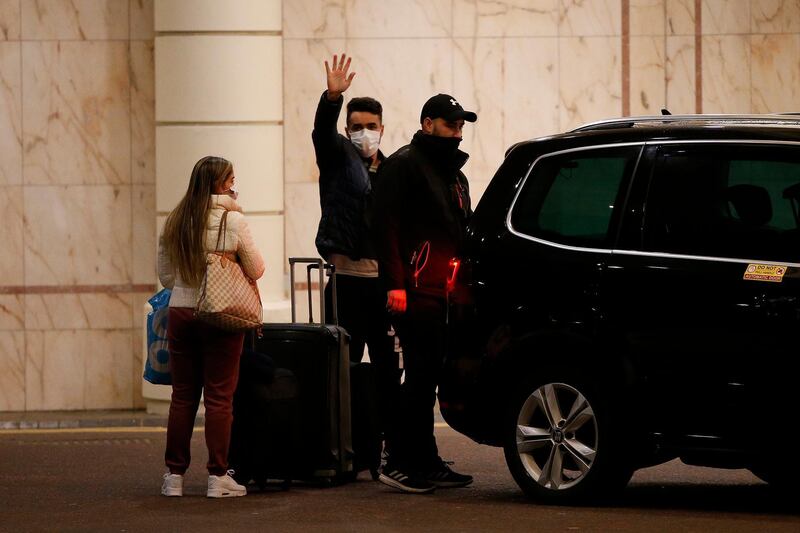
[344, 187]
[421, 196]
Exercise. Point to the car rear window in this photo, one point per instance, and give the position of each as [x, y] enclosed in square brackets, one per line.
[728, 200]
[569, 198]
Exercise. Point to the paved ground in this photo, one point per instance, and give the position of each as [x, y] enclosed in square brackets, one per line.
[108, 479]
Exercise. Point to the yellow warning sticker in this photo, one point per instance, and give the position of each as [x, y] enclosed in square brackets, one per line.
[758, 272]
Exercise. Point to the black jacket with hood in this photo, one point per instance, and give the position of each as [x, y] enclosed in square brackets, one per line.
[421, 197]
[344, 187]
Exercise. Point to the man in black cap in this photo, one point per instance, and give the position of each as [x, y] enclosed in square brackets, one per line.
[420, 213]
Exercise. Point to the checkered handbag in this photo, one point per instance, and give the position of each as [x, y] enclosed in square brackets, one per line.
[227, 298]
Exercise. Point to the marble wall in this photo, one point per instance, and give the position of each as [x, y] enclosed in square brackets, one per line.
[77, 164]
[77, 201]
[530, 68]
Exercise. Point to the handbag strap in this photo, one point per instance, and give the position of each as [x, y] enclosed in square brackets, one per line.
[223, 229]
[230, 256]
[221, 235]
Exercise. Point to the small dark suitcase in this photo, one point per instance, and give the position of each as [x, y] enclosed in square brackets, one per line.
[266, 428]
[317, 355]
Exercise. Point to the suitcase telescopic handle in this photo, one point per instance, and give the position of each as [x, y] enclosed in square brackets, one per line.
[313, 262]
[330, 270]
[305, 260]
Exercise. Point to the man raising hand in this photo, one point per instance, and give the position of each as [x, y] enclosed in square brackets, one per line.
[347, 168]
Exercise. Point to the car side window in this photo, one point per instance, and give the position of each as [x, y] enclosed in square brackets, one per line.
[727, 200]
[569, 198]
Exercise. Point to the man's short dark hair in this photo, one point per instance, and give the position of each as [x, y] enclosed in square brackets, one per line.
[364, 103]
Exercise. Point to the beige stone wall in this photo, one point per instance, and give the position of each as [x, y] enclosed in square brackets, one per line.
[530, 68]
[76, 201]
[77, 163]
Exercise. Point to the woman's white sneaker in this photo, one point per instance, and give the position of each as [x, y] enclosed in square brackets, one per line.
[173, 485]
[224, 486]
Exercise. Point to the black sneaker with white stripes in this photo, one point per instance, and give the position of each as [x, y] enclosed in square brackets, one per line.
[443, 476]
[398, 479]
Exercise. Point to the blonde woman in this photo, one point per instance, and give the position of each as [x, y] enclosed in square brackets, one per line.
[202, 358]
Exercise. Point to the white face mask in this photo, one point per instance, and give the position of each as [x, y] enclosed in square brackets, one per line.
[232, 192]
[366, 141]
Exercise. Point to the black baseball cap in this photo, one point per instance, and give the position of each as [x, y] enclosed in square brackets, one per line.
[446, 107]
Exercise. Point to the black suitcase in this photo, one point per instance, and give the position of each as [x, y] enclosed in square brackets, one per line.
[317, 356]
[266, 424]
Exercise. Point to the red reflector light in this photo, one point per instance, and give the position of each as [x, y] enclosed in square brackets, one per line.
[451, 279]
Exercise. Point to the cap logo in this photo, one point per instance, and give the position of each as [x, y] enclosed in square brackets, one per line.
[453, 101]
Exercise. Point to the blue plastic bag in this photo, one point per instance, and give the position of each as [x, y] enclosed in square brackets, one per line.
[156, 368]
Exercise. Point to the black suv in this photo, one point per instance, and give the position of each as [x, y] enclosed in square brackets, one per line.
[628, 295]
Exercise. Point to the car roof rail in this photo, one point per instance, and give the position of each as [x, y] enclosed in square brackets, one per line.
[788, 119]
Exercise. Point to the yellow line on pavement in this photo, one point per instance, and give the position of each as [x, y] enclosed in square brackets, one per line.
[123, 429]
[136, 429]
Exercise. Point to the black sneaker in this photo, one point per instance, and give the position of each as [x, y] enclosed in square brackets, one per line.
[399, 480]
[443, 476]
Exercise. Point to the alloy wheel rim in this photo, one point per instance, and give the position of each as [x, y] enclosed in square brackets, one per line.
[557, 448]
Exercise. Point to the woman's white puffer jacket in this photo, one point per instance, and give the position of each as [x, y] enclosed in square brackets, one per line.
[237, 239]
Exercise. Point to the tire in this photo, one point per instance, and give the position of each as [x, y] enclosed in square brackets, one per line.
[562, 445]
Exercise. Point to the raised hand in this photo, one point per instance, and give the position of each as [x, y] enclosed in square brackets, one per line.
[338, 79]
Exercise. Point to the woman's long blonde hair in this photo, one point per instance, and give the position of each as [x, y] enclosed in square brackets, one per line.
[185, 229]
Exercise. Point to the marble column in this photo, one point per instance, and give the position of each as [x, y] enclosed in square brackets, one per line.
[219, 91]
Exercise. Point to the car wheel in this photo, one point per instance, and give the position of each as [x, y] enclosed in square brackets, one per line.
[562, 445]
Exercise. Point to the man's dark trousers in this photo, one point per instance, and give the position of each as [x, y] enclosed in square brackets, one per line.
[421, 331]
[361, 306]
